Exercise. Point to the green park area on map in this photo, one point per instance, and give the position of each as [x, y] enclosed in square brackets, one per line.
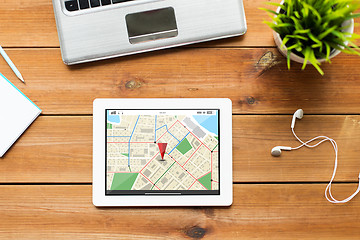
[184, 146]
[123, 181]
[206, 181]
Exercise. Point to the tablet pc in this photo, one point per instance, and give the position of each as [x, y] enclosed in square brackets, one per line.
[162, 152]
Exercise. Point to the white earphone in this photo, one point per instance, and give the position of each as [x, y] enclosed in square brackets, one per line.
[276, 152]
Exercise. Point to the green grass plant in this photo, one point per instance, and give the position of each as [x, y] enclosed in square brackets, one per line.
[312, 29]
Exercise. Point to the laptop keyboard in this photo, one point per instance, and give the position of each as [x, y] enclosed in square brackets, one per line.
[75, 5]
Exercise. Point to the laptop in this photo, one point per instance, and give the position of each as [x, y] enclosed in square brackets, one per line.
[92, 30]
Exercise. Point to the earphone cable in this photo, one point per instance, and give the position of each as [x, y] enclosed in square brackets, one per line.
[328, 194]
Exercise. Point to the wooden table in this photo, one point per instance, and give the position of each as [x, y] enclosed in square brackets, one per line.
[46, 177]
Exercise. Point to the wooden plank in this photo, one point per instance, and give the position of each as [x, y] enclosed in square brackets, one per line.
[255, 136]
[28, 23]
[258, 212]
[178, 73]
[53, 149]
[59, 149]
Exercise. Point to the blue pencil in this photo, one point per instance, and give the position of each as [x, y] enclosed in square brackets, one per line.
[11, 64]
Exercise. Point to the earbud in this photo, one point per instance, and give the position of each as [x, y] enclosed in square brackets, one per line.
[298, 114]
[276, 151]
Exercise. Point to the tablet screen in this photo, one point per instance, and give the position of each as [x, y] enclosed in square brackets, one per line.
[162, 152]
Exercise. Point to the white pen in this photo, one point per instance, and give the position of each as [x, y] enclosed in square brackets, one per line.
[11, 64]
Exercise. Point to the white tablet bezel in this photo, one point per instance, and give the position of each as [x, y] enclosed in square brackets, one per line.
[225, 161]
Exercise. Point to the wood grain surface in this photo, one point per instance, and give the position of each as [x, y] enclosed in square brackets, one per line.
[293, 211]
[45, 178]
[239, 74]
[58, 149]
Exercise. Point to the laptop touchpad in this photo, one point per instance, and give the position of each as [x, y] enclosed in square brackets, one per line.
[151, 25]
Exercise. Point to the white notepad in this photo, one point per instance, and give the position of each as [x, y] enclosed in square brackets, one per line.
[17, 112]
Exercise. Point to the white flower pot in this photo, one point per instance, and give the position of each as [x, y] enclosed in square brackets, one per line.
[296, 58]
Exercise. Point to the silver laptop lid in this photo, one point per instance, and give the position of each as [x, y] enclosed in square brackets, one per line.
[97, 29]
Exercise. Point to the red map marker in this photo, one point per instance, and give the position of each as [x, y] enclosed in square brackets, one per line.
[162, 148]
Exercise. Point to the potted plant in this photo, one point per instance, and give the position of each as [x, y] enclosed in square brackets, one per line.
[314, 31]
